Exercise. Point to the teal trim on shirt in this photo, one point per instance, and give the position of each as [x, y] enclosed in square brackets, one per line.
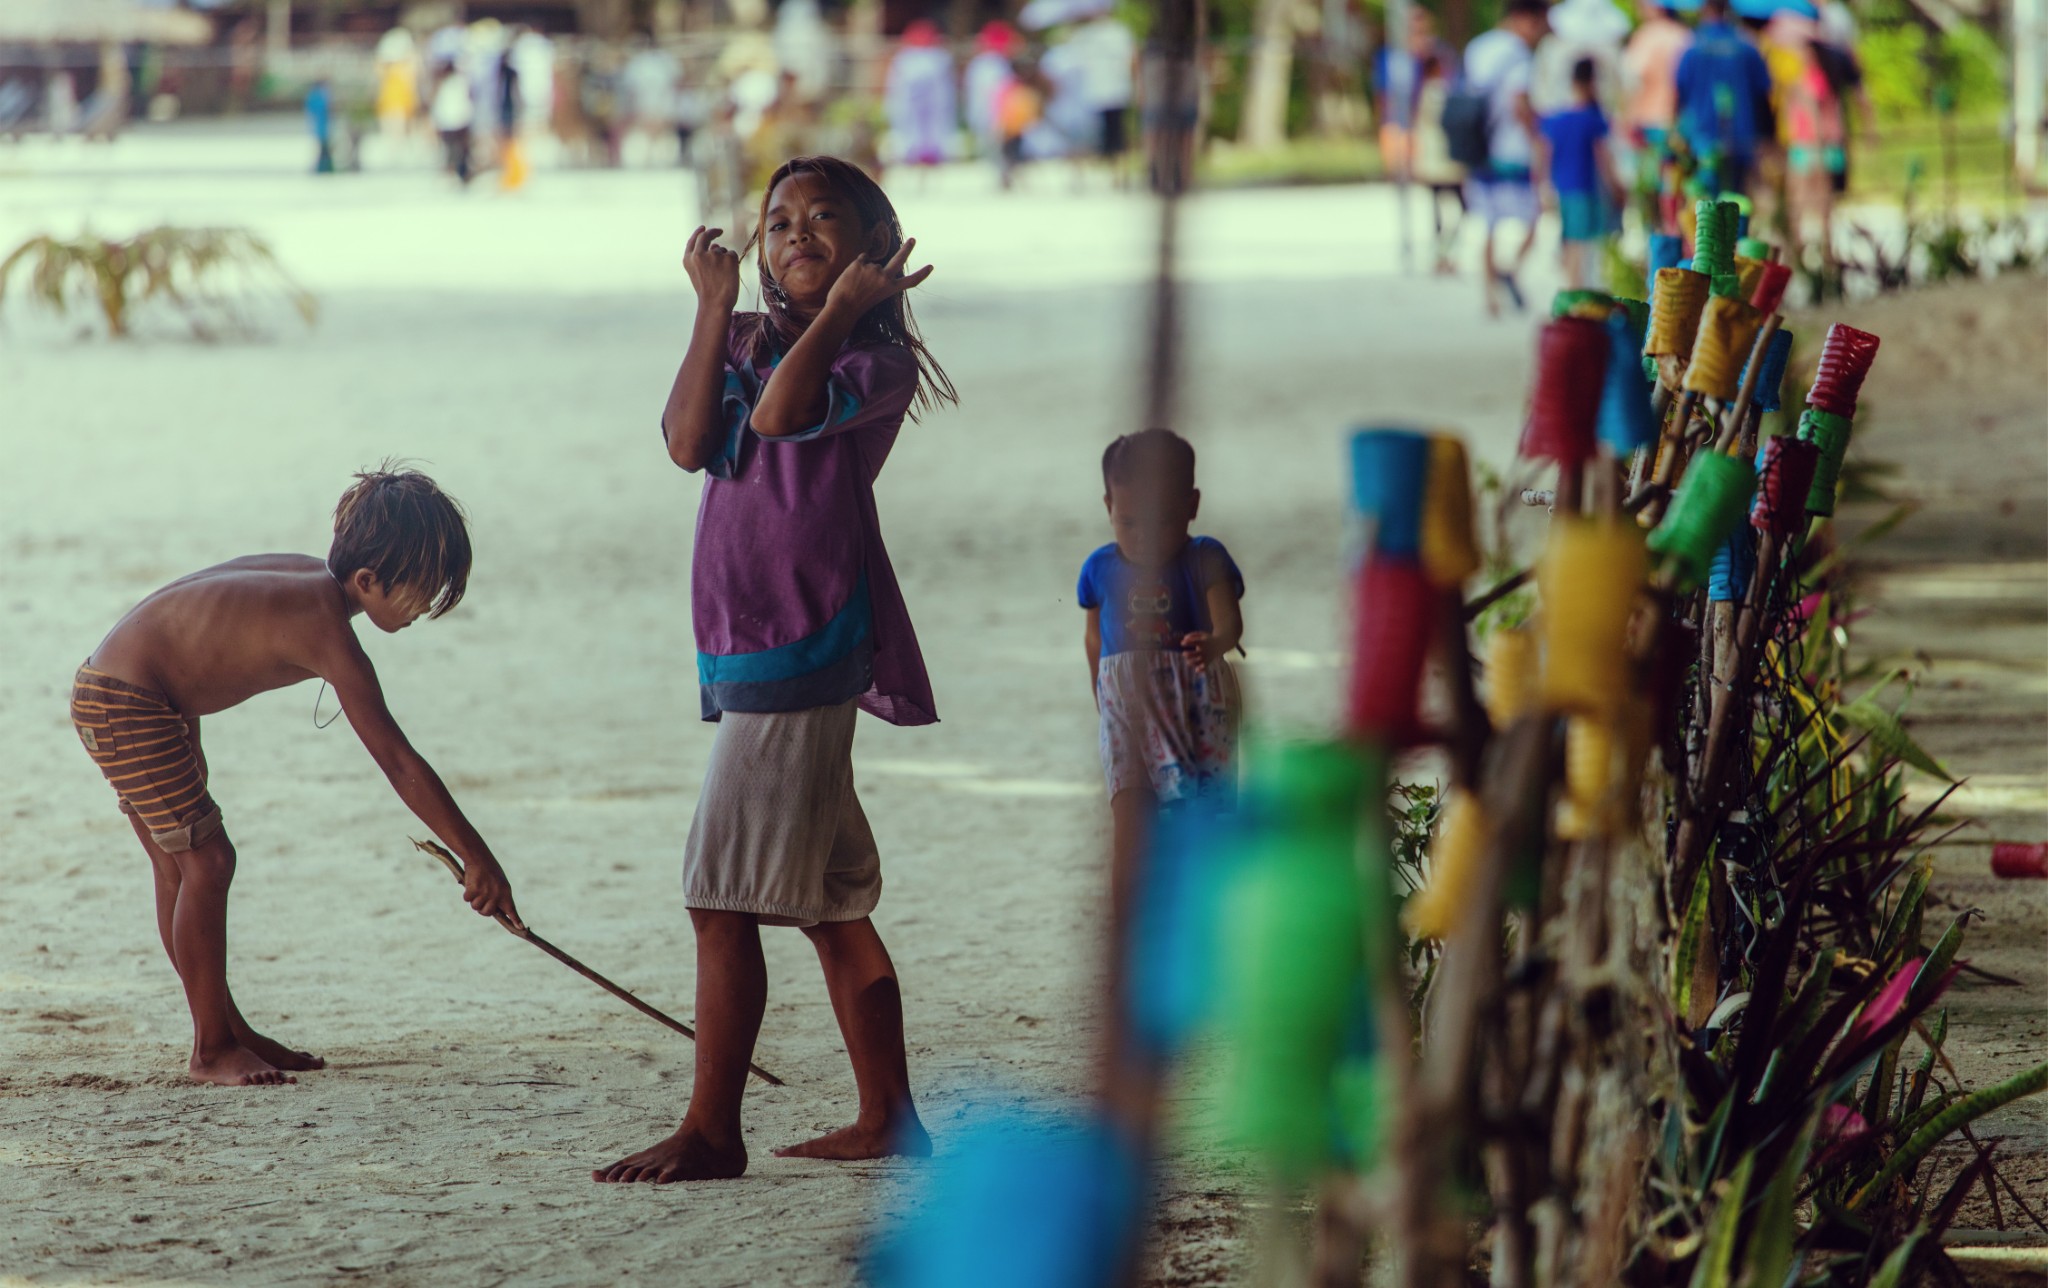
[840, 406]
[830, 643]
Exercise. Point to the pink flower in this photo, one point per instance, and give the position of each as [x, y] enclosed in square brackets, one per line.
[1839, 1125]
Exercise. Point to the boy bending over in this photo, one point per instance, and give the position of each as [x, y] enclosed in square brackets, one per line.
[217, 638]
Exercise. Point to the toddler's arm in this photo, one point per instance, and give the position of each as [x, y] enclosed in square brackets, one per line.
[692, 422]
[1226, 626]
[1091, 640]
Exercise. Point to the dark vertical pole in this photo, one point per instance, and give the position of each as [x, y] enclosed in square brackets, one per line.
[1176, 39]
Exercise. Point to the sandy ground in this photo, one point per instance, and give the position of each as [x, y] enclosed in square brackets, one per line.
[521, 347]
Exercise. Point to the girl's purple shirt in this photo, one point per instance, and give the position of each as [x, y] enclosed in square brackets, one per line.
[787, 529]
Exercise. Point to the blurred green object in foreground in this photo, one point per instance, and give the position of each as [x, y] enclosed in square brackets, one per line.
[1581, 303]
[212, 276]
[1293, 958]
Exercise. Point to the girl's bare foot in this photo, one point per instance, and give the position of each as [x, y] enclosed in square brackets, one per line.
[684, 1156]
[237, 1066]
[277, 1054]
[903, 1137]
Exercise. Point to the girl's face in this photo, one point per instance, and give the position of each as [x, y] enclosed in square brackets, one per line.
[809, 236]
[1150, 529]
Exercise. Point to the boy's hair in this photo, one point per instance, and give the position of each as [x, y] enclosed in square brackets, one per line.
[1157, 456]
[1584, 73]
[398, 524]
[889, 322]
[1526, 9]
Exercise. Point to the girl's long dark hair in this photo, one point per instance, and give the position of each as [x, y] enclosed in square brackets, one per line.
[889, 322]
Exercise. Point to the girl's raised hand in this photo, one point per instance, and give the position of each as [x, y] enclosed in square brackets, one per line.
[868, 281]
[714, 271]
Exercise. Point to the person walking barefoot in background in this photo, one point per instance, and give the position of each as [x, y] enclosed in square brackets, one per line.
[791, 412]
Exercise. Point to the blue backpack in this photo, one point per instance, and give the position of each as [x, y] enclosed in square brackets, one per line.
[1468, 127]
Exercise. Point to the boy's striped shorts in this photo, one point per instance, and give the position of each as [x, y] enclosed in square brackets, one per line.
[150, 753]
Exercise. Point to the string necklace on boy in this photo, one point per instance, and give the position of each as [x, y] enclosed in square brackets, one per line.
[322, 691]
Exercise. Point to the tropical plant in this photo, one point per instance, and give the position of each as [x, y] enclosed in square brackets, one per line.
[1811, 1087]
[216, 279]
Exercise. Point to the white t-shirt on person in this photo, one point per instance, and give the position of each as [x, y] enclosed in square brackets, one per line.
[1498, 64]
[454, 108]
[1105, 51]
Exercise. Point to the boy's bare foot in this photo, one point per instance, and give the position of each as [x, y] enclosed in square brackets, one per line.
[683, 1156]
[277, 1054]
[237, 1066]
[896, 1138]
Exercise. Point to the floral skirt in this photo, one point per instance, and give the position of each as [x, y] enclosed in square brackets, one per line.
[1170, 722]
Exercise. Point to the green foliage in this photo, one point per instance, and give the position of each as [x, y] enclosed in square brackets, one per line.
[1971, 67]
[210, 276]
[1906, 71]
[1298, 162]
[1946, 1123]
[1895, 70]
[1413, 810]
[1491, 508]
[1889, 734]
[1807, 1113]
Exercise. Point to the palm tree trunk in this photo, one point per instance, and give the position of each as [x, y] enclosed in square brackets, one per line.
[1264, 123]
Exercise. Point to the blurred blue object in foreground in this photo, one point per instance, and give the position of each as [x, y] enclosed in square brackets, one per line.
[1171, 972]
[1024, 1200]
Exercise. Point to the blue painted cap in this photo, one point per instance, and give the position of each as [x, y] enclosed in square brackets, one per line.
[1625, 423]
[1666, 250]
[1770, 378]
[1389, 477]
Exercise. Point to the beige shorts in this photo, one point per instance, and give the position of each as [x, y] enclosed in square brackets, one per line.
[779, 832]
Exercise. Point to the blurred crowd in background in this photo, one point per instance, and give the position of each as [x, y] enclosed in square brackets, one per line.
[1581, 106]
[1060, 82]
[1577, 107]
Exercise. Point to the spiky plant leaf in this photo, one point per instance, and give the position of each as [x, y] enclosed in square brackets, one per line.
[1712, 1269]
[1775, 1234]
[1962, 1112]
[1890, 736]
[1893, 1272]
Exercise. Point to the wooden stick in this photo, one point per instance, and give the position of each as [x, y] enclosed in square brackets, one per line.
[1739, 411]
[454, 865]
[1671, 447]
[1570, 488]
[1501, 590]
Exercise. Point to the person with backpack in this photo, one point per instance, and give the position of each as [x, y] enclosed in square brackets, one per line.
[1492, 132]
[1724, 98]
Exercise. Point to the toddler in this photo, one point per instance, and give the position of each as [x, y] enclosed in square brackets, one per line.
[1162, 612]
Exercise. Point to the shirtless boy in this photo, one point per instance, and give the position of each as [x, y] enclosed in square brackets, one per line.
[217, 638]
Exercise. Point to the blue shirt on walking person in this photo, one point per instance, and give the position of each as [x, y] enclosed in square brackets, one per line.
[1724, 96]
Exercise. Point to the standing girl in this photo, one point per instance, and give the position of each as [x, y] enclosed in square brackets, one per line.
[799, 622]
